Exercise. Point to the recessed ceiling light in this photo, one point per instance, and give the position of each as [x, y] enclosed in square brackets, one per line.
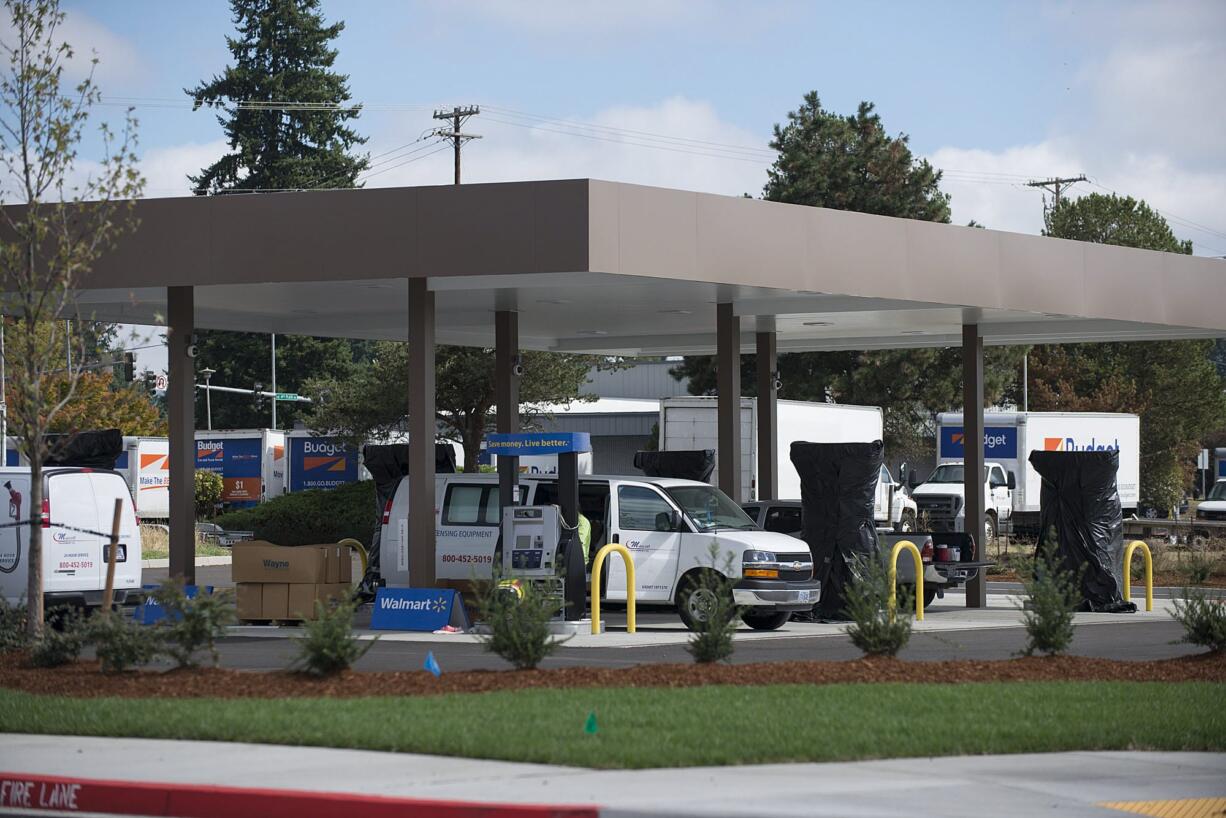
[817, 323]
[913, 332]
[552, 301]
[675, 312]
[592, 332]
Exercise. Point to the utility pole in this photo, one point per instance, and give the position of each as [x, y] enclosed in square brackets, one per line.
[1056, 185]
[458, 117]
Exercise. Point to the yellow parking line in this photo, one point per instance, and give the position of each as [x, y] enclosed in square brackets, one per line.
[1184, 808]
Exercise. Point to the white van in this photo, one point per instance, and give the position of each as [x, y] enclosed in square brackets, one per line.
[76, 516]
[667, 524]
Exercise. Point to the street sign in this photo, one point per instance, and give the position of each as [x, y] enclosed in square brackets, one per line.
[288, 396]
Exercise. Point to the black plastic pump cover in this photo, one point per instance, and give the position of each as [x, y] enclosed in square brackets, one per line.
[95, 449]
[838, 484]
[690, 464]
[1080, 505]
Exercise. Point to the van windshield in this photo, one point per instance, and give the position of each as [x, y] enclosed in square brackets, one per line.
[709, 508]
[951, 473]
[1218, 492]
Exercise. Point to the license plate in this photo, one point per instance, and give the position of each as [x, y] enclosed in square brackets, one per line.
[803, 596]
[121, 554]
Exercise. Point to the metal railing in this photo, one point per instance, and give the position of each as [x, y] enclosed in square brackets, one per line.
[892, 603]
[1149, 573]
[596, 566]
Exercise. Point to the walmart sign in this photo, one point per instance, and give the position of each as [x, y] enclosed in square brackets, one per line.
[999, 442]
[417, 609]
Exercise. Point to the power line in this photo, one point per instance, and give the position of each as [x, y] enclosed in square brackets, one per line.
[1056, 184]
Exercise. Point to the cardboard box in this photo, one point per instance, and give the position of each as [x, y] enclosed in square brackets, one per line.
[303, 596]
[248, 599]
[340, 564]
[257, 561]
[274, 600]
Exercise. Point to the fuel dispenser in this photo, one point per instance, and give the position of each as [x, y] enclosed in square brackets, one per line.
[541, 543]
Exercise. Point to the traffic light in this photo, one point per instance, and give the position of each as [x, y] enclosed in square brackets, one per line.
[129, 367]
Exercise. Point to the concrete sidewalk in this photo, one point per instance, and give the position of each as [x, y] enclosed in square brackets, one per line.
[1068, 784]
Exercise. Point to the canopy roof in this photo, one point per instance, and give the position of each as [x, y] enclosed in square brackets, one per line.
[605, 267]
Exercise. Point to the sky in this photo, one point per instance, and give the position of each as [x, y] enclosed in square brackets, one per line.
[684, 93]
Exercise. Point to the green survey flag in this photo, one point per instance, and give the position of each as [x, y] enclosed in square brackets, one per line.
[590, 727]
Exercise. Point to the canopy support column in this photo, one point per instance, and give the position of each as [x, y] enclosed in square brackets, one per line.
[506, 397]
[972, 428]
[768, 416]
[728, 375]
[421, 434]
[181, 411]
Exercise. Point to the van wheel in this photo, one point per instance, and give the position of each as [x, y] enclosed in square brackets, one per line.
[989, 529]
[694, 602]
[765, 619]
[906, 525]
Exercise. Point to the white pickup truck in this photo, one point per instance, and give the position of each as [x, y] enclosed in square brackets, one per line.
[941, 499]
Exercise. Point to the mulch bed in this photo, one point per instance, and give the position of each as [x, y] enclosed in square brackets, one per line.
[85, 680]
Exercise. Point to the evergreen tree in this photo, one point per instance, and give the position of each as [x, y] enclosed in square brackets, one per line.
[851, 163]
[281, 55]
[1175, 386]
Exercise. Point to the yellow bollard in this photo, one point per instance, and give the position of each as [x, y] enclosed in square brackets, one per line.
[1149, 573]
[892, 603]
[596, 566]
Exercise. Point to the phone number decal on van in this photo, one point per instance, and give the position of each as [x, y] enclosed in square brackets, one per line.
[71, 565]
[467, 558]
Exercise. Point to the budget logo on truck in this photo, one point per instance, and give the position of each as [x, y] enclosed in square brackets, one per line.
[320, 463]
[999, 442]
[1070, 444]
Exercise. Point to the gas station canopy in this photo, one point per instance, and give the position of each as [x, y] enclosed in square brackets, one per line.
[603, 267]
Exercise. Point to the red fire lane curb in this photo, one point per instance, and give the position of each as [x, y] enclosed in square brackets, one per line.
[140, 798]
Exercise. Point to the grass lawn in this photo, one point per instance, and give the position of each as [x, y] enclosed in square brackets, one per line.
[654, 727]
[155, 545]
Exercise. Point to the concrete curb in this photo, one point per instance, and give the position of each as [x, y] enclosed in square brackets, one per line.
[61, 795]
[200, 561]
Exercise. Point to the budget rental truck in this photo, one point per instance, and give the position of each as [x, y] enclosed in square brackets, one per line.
[692, 423]
[251, 463]
[1011, 485]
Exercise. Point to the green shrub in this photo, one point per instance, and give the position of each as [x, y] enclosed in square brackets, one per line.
[192, 625]
[122, 644]
[868, 598]
[1052, 595]
[309, 517]
[1203, 618]
[329, 644]
[209, 488]
[13, 635]
[711, 638]
[61, 644]
[518, 616]
[1197, 567]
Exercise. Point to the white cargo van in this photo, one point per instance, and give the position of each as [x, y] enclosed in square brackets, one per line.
[76, 517]
[667, 524]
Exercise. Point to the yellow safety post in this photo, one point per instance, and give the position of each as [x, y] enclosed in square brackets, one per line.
[596, 566]
[1149, 573]
[892, 603]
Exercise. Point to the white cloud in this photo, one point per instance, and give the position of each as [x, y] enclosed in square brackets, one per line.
[1151, 126]
[119, 62]
[166, 169]
[513, 152]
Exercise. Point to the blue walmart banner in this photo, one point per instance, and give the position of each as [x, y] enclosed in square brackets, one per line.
[417, 609]
[526, 444]
[149, 611]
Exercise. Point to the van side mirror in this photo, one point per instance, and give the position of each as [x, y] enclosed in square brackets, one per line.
[668, 521]
[1011, 480]
[902, 473]
[912, 480]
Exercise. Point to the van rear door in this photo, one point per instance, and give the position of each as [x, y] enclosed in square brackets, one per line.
[72, 556]
[109, 487]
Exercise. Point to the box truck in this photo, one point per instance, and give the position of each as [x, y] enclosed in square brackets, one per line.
[1011, 485]
[320, 462]
[145, 464]
[692, 423]
[251, 463]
